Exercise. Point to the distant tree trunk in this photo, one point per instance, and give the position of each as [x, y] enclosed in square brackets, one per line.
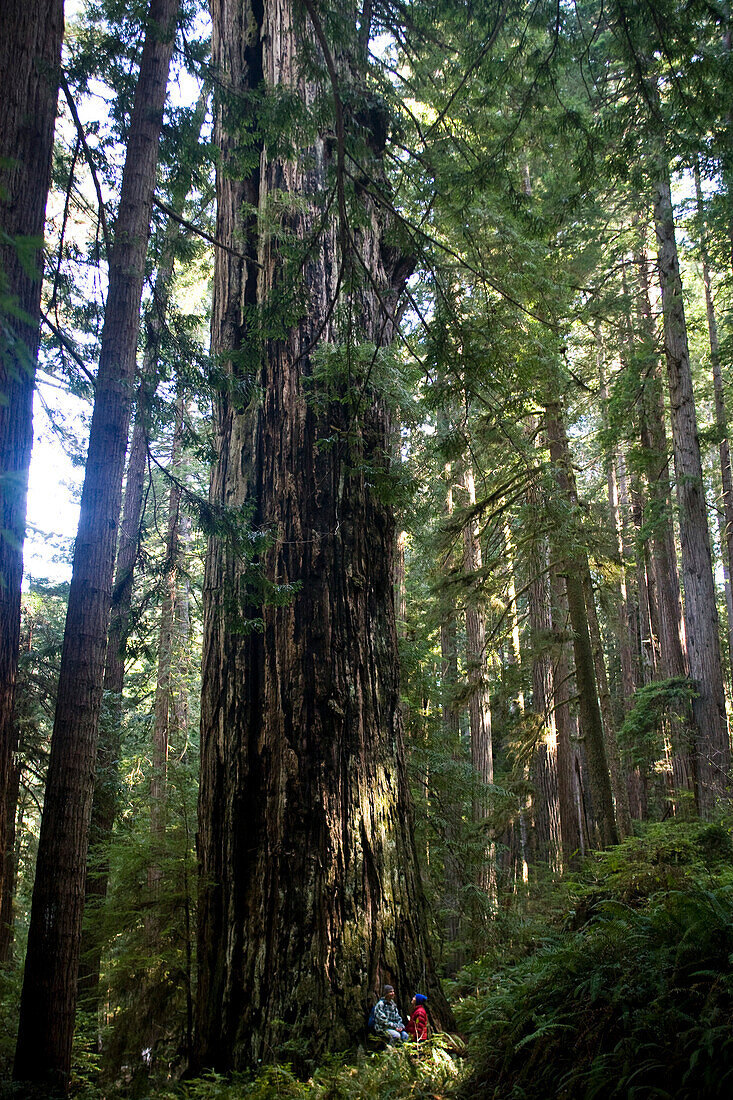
[30, 56]
[454, 879]
[546, 827]
[400, 593]
[721, 415]
[310, 894]
[570, 823]
[575, 567]
[655, 450]
[479, 706]
[633, 595]
[622, 626]
[618, 782]
[712, 748]
[166, 709]
[665, 602]
[48, 1002]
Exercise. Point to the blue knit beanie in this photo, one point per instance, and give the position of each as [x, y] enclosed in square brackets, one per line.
[421, 999]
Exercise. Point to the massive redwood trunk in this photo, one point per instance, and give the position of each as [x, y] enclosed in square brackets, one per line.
[30, 54]
[310, 890]
[48, 1002]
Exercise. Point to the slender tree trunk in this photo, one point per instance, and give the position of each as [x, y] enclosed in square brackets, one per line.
[655, 449]
[712, 749]
[48, 1002]
[104, 805]
[479, 707]
[721, 416]
[664, 589]
[400, 592]
[310, 893]
[454, 878]
[623, 629]
[633, 594]
[164, 713]
[30, 55]
[575, 567]
[570, 823]
[546, 845]
[618, 783]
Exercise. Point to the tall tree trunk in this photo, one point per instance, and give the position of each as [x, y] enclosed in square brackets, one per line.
[544, 764]
[454, 879]
[575, 566]
[712, 749]
[48, 1001]
[618, 783]
[310, 892]
[665, 602]
[721, 415]
[479, 707]
[30, 55]
[570, 823]
[164, 711]
[104, 805]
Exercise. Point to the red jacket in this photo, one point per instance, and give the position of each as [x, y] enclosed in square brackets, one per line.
[418, 1024]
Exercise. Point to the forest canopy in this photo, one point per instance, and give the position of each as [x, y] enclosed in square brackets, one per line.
[394, 646]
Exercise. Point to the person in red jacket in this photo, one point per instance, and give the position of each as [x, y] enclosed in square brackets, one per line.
[418, 1019]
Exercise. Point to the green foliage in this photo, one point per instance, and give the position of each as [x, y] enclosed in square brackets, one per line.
[640, 734]
[636, 1000]
[394, 1074]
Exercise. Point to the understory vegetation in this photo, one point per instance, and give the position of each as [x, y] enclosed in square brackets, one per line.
[616, 982]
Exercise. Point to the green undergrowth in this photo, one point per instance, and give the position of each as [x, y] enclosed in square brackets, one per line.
[630, 994]
[393, 1074]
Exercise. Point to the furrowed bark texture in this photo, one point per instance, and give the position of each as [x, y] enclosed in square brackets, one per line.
[48, 1003]
[712, 756]
[30, 54]
[310, 892]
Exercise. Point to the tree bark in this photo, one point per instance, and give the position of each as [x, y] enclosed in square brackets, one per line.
[310, 892]
[104, 805]
[454, 876]
[712, 749]
[618, 783]
[167, 705]
[721, 415]
[30, 55]
[575, 566]
[543, 768]
[48, 1002]
[479, 705]
[570, 822]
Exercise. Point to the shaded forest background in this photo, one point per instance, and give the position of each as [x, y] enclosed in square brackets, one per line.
[550, 189]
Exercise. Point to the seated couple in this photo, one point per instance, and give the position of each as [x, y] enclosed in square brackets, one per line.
[388, 1022]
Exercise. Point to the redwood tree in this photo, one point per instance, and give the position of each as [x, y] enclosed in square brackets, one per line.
[30, 50]
[310, 890]
[48, 1002]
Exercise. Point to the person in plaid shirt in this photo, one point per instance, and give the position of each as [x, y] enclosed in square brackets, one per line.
[387, 1020]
